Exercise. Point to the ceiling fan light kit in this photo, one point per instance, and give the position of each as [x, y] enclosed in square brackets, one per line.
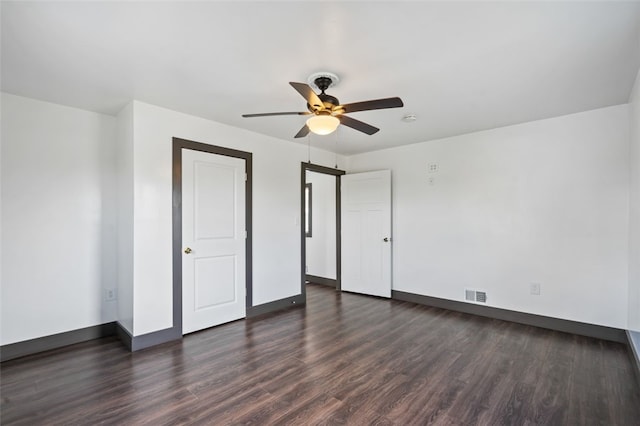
[327, 111]
[323, 124]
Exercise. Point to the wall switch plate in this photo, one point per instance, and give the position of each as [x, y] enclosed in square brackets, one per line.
[535, 289]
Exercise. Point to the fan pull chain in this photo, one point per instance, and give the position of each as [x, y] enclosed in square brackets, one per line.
[335, 148]
[309, 147]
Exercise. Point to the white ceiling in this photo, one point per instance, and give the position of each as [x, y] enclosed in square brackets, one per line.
[459, 66]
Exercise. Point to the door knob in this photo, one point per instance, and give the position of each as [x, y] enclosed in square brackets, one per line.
[385, 239]
[187, 250]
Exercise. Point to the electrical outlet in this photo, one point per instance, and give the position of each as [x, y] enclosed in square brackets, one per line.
[433, 167]
[110, 294]
[535, 289]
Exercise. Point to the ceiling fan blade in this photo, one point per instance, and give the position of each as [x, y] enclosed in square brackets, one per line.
[307, 92]
[358, 125]
[374, 104]
[303, 132]
[267, 114]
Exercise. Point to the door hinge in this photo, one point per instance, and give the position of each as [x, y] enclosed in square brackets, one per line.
[245, 234]
[246, 177]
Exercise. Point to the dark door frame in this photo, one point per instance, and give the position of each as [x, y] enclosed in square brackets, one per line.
[303, 240]
[178, 146]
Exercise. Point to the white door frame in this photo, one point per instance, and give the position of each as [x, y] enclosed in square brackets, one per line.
[303, 238]
[178, 146]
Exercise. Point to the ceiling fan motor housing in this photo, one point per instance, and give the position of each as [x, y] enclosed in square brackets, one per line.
[330, 102]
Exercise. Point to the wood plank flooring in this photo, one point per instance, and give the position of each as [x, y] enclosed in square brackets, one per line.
[344, 359]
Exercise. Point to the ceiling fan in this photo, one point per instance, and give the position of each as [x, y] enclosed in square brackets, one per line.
[327, 111]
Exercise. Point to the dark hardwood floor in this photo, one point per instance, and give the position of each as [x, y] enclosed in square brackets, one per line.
[344, 359]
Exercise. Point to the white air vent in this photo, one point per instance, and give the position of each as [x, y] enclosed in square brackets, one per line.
[470, 295]
[478, 296]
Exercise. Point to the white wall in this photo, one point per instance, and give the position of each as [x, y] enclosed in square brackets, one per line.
[58, 218]
[539, 202]
[124, 164]
[276, 208]
[634, 208]
[543, 202]
[321, 246]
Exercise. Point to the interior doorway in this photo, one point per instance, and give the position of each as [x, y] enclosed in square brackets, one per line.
[320, 226]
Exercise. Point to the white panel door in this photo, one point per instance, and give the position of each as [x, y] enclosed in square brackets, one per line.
[366, 232]
[213, 238]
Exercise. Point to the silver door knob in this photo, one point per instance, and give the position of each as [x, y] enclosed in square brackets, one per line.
[187, 250]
